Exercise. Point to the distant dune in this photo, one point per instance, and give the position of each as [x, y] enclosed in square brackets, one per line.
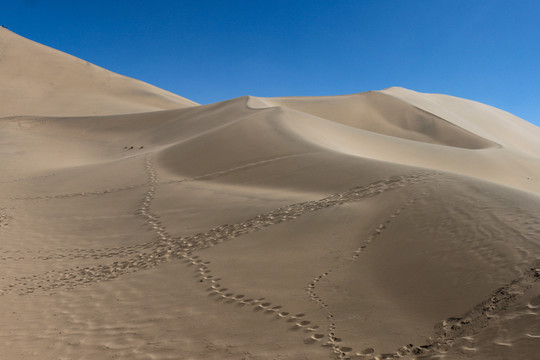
[137, 224]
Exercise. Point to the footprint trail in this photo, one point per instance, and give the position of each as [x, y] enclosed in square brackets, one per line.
[166, 247]
[334, 342]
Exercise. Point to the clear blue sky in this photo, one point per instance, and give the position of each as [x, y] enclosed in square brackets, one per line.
[208, 51]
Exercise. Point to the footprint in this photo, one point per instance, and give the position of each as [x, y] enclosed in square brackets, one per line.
[367, 351]
[313, 339]
[531, 306]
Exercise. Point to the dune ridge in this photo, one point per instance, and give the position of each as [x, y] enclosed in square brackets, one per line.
[136, 224]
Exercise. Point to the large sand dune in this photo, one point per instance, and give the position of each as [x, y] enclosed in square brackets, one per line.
[136, 224]
[39, 80]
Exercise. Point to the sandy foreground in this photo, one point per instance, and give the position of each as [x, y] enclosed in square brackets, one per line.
[137, 224]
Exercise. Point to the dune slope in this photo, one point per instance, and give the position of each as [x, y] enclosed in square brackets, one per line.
[38, 80]
[369, 226]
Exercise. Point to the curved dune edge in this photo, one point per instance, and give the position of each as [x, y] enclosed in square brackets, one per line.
[380, 113]
[486, 121]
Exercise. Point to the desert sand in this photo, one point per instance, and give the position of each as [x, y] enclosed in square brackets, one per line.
[137, 224]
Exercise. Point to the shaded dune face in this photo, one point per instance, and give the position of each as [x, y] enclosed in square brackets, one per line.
[247, 138]
[384, 114]
[486, 121]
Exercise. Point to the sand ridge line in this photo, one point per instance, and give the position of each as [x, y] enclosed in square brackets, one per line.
[166, 247]
[345, 352]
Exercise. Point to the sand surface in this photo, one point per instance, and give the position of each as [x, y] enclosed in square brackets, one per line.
[136, 224]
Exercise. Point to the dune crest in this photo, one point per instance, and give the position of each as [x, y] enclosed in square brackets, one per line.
[379, 113]
[491, 123]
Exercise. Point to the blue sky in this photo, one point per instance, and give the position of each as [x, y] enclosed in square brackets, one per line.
[210, 51]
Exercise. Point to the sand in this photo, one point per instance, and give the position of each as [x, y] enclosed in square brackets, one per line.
[136, 224]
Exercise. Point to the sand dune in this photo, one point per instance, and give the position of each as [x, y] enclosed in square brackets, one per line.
[38, 80]
[376, 225]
